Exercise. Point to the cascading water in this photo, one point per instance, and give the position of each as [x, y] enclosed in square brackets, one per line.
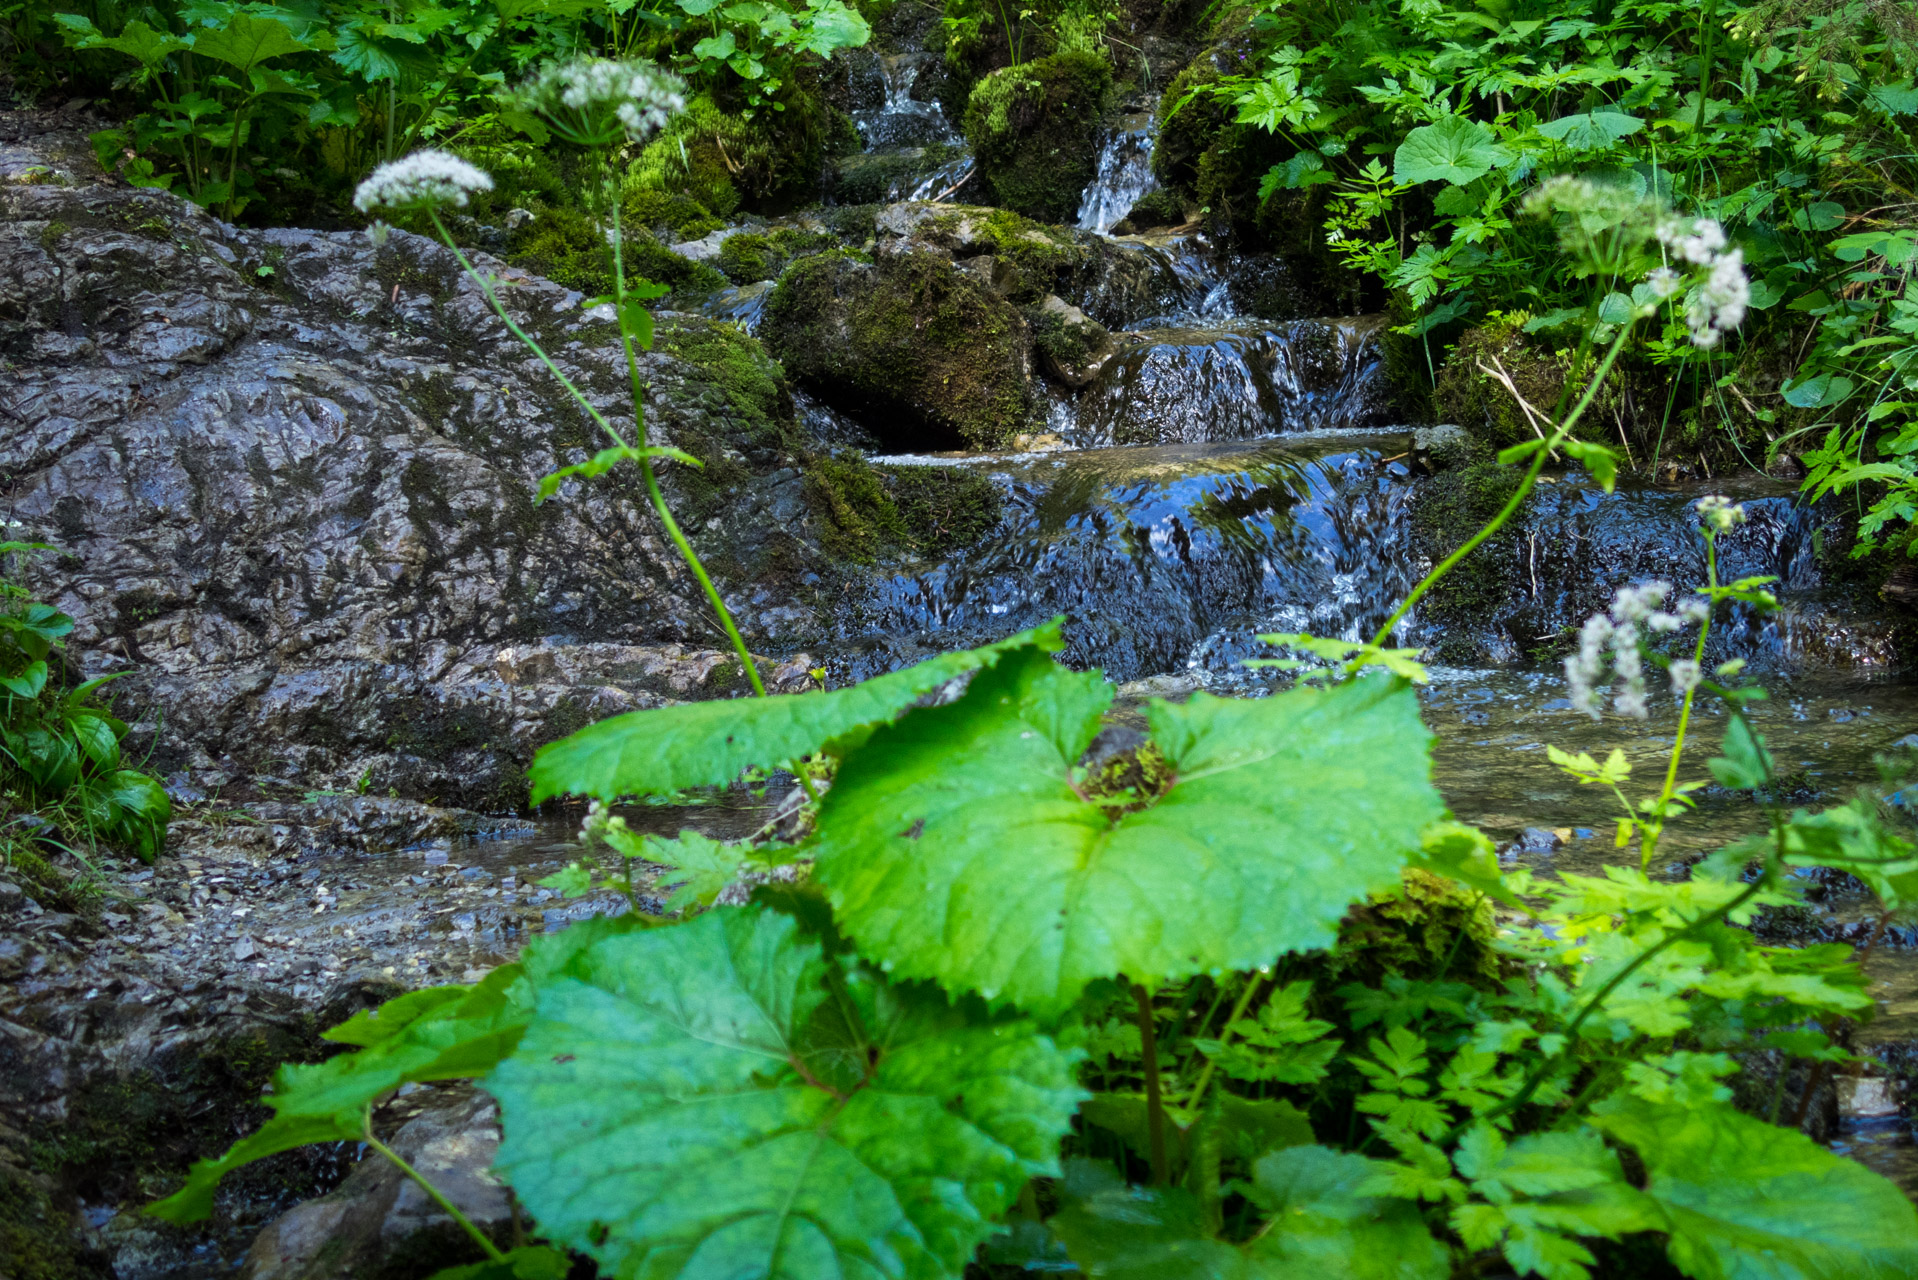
[1124, 174]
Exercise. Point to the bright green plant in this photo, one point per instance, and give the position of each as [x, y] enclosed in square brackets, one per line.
[1247, 1017]
[760, 40]
[60, 751]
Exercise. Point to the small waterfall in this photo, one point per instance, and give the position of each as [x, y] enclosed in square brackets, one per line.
[1181, 381]
[1124, 174]
[902, 120]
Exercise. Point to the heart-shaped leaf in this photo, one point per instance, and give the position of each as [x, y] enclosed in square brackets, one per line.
[956, 846]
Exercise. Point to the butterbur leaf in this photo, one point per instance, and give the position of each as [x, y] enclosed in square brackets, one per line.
[245, 41]
[704, 744]
[1739, 1197]
[528, 1262]
[1465, 854]
[605, 460]
[1326, 1224]
[1283, 811]
[691, 1101]
[1454, 150]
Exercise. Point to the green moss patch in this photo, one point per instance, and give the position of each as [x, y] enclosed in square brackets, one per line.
[567, 247]
[865, 512]
[751, 256]
[666, 214]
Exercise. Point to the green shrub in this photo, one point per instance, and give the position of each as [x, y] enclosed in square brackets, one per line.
[60, 750]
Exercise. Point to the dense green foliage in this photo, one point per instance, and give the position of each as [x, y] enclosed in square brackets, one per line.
[60, 751]
[236, 103]
[1401, 140]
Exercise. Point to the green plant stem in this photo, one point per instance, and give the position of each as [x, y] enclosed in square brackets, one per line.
[1649, 845]
[1154, 1105]
[1517, 499]
[1225, 1034]
[1705, 61]
[433, 1193]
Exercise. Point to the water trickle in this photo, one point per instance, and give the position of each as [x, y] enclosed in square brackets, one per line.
[1124, 174]
[1234, 380]
[902, 120]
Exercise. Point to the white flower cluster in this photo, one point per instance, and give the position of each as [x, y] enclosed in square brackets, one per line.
[1618, 632]
[583, 95]
[1720, 512]
[1718, 303]
[599, 820]
[423, 180]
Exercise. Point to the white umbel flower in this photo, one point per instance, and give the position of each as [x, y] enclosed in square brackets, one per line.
[423, 180]
[1618, 633]
[596, 101]
[1720, 512]
[1720, 294]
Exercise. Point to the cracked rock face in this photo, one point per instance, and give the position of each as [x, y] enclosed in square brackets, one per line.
[291, 477]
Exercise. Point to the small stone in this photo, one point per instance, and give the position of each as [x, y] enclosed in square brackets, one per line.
[245, 949]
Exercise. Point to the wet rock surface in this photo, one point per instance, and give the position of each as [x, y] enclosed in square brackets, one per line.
[291, 479]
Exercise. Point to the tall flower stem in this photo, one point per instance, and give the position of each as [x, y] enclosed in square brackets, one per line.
[1517, 500]
[1656, 827]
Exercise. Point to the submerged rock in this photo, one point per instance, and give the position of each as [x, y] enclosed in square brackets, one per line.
[291, 477]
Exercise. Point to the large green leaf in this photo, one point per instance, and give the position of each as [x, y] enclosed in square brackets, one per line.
[1323, 1225]
[719, 1099]
[703, 744]
[246, 41]
[955, 845]
[445, 1033]
[1591, 130]
[1454, 150]
[1746, 1200]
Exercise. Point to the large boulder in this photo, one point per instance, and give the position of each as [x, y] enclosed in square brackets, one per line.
[929, 353]
[291, 478]
[1035, 128]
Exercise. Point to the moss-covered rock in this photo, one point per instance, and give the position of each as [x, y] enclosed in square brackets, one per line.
[879, 176]
[865, 512]
[666, 215]
[568, 248]
[728, 162]
[1034, 130]
[1446, 511]
[1468, 393]
[750, 256]
[926, 351]
[1073, 347]
[1159, 207]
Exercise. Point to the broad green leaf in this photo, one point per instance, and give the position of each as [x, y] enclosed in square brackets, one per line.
[1851, 838]
[1284, 811]
[709, 743]
[246, 41]
[29, 682]
[370, 1026]
[1454, 150]
[439, 1038]
[1118, 1232]
[830, 26]
[1744, 1199]
[528, 1262]
[136, 40]
[1591, 130]
[1818, 391]
[1326, 1227]
[605, 460]
[697, 1100]
[96, 738]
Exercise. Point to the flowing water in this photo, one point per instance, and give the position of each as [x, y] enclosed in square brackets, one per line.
[1124, 173]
